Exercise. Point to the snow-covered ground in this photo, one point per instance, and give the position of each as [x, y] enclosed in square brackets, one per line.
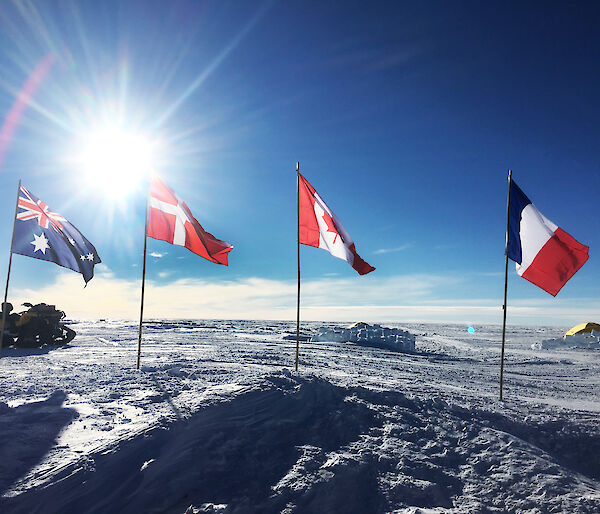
[585, 341]
[217, 421]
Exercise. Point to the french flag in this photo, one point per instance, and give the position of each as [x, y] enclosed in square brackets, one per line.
[545, 254]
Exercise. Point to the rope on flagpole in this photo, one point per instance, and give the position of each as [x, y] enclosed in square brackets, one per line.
[139, 353]
[505, 284]
[12, 242]
[298, 303]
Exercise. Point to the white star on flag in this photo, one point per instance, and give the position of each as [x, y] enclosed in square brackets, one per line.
[40, 242]
[67, 246]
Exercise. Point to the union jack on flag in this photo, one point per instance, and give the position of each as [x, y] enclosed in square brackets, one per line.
[37, 209]
[43, 234]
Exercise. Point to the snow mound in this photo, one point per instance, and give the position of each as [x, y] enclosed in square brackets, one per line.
[364, 334]
[586, 341]
[306, 445]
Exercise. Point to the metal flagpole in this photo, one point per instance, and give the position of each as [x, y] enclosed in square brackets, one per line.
[139, 354]
[298, 308]
[505, 283]
[12, 242]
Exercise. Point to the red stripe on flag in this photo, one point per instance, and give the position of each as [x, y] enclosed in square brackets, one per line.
[161, 225]
[309, 227]
[358, 264]
[558, 260]
[161, 191]
[206, 245]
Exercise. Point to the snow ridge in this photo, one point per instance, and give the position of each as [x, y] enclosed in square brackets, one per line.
[305, 445]
[216, 422]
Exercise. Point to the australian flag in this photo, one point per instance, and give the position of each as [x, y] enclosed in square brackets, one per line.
[43, 234]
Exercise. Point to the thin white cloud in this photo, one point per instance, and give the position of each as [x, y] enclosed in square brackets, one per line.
[103, 270]
[489, 273]
[395, 249]
[157, 255]
[398, 298]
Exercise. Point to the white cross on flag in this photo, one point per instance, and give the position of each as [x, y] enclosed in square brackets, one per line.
[170, 220]
[320, 228]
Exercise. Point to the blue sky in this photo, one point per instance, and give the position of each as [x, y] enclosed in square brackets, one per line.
[404, 116]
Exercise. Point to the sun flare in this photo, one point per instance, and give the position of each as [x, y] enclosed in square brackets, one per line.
[115, 160]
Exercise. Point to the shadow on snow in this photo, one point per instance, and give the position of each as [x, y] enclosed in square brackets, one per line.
[29, 431]
[306, 445]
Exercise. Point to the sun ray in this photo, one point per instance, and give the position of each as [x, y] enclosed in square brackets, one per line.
[214, 64]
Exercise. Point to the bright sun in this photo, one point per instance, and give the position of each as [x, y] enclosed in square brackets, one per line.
[115, 160]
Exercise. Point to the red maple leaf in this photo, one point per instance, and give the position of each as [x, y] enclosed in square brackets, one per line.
[330, 225]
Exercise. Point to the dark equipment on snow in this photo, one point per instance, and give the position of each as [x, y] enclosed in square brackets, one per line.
[40, 325]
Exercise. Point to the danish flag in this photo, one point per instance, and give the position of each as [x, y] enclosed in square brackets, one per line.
[170, 220]
[320, 227]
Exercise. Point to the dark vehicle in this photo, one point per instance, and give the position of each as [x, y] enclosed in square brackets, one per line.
[40, 325]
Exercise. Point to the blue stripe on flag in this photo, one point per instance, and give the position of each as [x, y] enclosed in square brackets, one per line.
[518, 201]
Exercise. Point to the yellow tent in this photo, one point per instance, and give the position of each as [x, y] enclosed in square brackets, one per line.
[583, 328]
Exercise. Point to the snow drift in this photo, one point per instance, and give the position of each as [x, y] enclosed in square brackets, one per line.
[586, 341]
[364, 334]
[215, 423]
[306, 445]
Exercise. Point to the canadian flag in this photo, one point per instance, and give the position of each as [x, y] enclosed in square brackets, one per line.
[320, 227]
[170, 220]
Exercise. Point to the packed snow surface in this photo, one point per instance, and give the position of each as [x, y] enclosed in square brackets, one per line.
[218, 421]
[363, 334]
[585, 341]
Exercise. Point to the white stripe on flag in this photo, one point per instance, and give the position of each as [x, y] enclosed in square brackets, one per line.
[535, 231]
[180, 218]
[330, 241]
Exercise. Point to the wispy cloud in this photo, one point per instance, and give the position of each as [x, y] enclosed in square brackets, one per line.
[395, 249]
[398, 298]
[103, 270]
[157, 255]
[370, 61]
[490, 274]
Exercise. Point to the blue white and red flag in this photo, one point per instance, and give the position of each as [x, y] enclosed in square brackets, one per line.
[43, 234]
[545, 254]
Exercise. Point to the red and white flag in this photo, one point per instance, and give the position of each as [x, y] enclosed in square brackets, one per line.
[319, 227]
[170, 220]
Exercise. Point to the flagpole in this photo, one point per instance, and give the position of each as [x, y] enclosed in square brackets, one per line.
[298, 303]
[139, 353]
[12, 242]
[505, 283]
